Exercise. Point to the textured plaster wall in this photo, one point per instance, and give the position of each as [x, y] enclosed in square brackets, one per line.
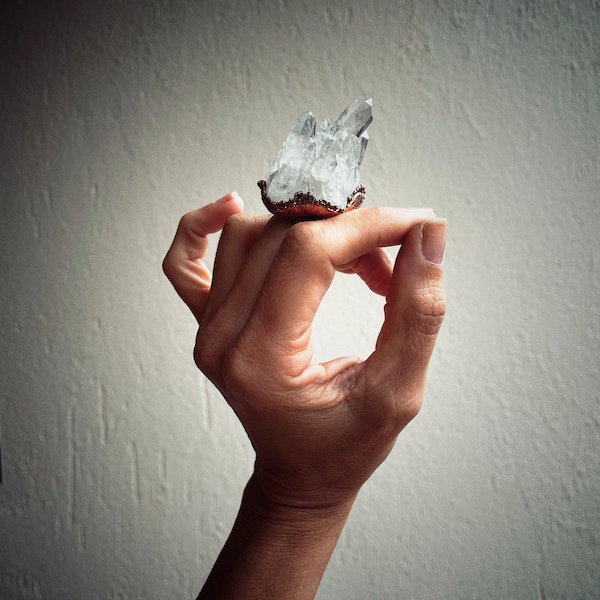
[122, 468]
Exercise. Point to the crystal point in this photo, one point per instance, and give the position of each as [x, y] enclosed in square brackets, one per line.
[354, 119]
[304, 125]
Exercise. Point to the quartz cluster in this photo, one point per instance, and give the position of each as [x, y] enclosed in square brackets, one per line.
[322, 165]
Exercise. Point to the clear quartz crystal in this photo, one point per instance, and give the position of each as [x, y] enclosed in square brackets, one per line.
[324, 163]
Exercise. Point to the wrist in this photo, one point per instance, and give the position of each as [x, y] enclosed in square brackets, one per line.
[275, 550]
[305, 515]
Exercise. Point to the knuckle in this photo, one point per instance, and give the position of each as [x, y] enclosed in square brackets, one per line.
[235, 223]
[167, 265]
[430, 310]
[201, 357]
[241, 223]
[410, 408]
[378, 214]
[206, 355]
[303, 249]
[234, 367]
[399, 399]
[187, 222]
[248, 375]
[239, 370]
[301, 237]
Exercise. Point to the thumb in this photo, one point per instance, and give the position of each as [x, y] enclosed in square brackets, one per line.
[414, 312]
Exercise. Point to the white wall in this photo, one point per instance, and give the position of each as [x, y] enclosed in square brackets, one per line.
[122, 467]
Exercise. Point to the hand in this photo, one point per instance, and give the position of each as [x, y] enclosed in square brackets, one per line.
[319, 430]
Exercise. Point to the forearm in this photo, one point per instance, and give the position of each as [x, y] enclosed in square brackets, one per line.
[275, 552]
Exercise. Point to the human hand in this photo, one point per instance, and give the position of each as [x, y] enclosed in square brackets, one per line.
[319, 430]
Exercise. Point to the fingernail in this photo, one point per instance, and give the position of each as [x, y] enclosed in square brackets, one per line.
[227, 198]
[423, 211]
[433, 240]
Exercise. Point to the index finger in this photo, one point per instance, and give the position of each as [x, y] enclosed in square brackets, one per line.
[183, 263]
[303, 270]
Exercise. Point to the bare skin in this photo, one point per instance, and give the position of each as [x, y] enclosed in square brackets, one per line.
[318, 430]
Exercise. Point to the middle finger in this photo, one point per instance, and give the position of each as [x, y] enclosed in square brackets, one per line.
[237, 285]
